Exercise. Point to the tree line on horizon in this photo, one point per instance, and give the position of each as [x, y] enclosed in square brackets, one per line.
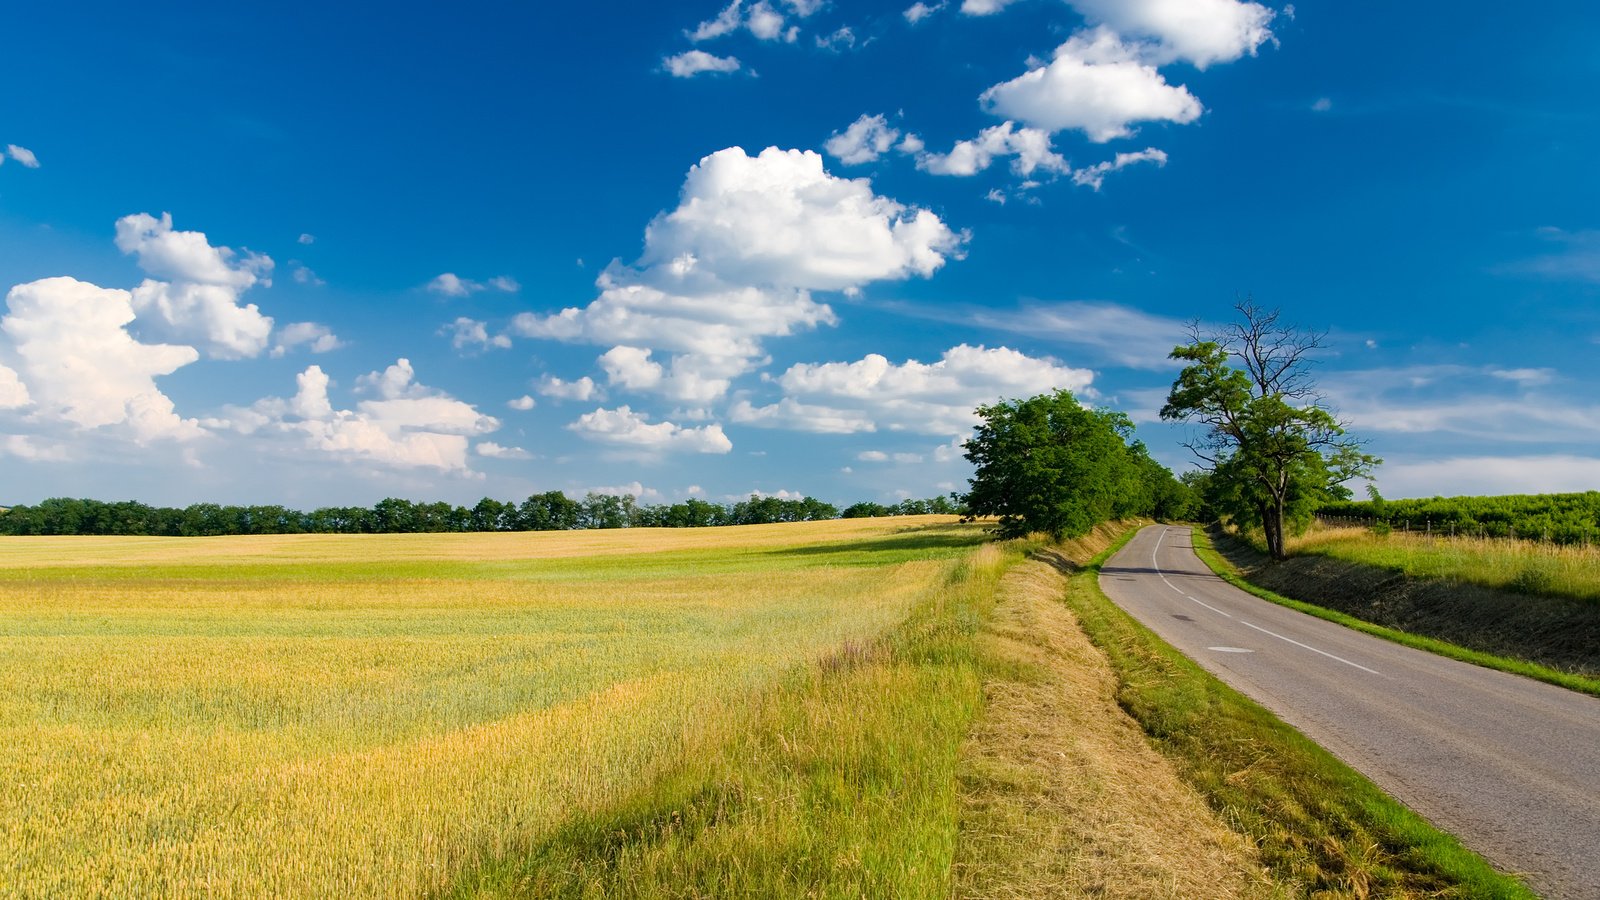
[549, 511]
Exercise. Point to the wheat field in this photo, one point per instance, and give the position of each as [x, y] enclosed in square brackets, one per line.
[374, 715]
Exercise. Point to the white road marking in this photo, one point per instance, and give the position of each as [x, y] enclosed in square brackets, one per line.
[1219, 612]
[1308, 647]
[1163, 575]
[1230, 649]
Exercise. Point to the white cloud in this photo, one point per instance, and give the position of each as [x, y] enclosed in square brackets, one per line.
[736, 261]
[872, 456]
[582, 390]
[1525, 377]
[623, 427]
[1030, 146]
[449, 284]
[306, 239]
[317, 338]
[206, 313]
[1119, 334]
[22, 155]
[466, 333]
[804, 8]
[1579, 258]
[505, 283]
[1096, 83]
[29, 449]
[790, 414]
[495, 451]
[1095, 175]
[778, 218]
[1322, 104]
[200, 302]
[1489, 475]
[13, 393]
[928, 398]
[694, 62]
[408, 426]
[759, 18]
[843, 38]
[523, 403]
[867, 138]
[80, 364]
[983, 7]
[187, 256]
[1202, 32]
[918, 11]
[631, 368]
[303, 275]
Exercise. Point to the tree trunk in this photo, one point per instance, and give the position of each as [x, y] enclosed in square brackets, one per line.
[1272, 527]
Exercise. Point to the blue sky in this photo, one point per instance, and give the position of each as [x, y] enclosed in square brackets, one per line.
[282, 254]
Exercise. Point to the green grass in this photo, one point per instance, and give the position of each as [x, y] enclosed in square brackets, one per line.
[1229, 573]
[1321, 827]
[1521, 566]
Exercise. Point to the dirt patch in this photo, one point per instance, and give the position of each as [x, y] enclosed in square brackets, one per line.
[1062, 795]
[1560, 633]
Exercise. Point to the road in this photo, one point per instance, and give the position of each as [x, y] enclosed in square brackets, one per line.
[1509, 765]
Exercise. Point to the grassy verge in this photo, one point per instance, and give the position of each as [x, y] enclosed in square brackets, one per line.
[1061, 793]
[1321, 828]
[842, 783]
[1229, 573]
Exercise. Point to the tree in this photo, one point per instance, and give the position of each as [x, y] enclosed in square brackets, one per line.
[1048, 464]
[1273, 450]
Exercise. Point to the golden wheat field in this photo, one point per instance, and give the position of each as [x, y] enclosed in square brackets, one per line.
[372, 715]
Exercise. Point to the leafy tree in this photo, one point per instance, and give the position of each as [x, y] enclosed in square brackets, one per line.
[1274, 452]
[1049, 464]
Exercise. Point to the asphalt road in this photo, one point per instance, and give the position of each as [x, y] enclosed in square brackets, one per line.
[1509, 765]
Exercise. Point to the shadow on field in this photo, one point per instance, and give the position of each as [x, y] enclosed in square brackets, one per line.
[905, 543]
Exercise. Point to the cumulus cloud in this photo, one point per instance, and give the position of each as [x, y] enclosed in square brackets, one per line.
[1097, 83]
[1094, 176]
[13, 393]
[523, 403]
[407, 425]
[30, 449]
[736, 262]
[495, 451]
[22, 155]
[984, 7]
[1029, 146]
[695, 62]
[622, 427]
[759, 18]
[582, 390]
[199, 301]
[918, 11]
[867, 138]
[928, 398]
[80, 365]
[449, 284]
[1202, 32]
[471, 334]
[306, 238]
[314, 337]
[186, 255]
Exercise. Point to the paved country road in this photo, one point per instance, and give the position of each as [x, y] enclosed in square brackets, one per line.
[1509, 765]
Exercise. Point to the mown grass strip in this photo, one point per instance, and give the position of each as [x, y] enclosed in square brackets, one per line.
[1230, 573]
[1322, 828]
[840, 782]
